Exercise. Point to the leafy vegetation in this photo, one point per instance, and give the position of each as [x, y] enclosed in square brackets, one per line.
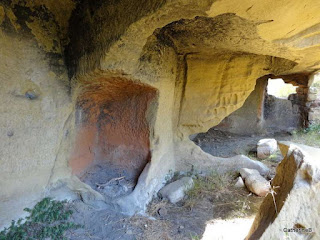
[47, 220]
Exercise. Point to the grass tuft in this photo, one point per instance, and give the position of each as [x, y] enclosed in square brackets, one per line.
[228, 201]
[309, 136]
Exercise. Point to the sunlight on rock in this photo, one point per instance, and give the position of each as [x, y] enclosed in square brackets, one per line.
[234, 229]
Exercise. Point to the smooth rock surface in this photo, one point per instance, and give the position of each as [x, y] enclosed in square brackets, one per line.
[239, 183]
[266, 147]
[255, 182]
[175, 191]
[297, 199]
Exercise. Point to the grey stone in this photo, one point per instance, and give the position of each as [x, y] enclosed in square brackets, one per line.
[266, 147]
[255, 182]
[239, 183]
[175, 191]
[162, 211]
[10, 133]
[31, 94]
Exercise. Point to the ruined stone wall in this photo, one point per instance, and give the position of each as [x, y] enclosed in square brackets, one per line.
[313, 100]
[263, 113]
[282, 115]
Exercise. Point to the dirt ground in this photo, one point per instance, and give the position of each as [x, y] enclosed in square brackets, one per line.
[214, 209]
[224, 144]
[189, 219]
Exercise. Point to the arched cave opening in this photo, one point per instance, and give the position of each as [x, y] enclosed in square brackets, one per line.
[278, 88]
[112, 140]
[274, 109]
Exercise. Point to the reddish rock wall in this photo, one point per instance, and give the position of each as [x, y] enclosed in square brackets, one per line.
[112, 126]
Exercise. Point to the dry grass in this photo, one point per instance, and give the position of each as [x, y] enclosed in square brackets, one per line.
[228, 201]
[309, 136]
[152, 229]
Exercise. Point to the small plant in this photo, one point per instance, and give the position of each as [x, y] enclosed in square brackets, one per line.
[194, 237]
[47, 220]
[213, 184]
[273, 157]
[313, 128]
[309, 136]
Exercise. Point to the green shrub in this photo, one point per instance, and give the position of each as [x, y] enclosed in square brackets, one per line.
[47, 220]
[313, 128]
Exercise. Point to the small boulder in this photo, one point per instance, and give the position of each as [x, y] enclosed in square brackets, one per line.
[255, 182]
[266, 147]
[175, 191]
[239, 183]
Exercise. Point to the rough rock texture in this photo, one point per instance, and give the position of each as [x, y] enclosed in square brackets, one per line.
[249, 118]
[201, 58]
[296, 197]
[176, 190]
[313, 99]
[266, 147]
[111, 118]
[262, 113]
[35, 107]
[205, 161]
[255, 182]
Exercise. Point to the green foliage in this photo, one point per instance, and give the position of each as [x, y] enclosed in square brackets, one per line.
[47, 220]
[313, 128]
[309, 136]
[194, 237]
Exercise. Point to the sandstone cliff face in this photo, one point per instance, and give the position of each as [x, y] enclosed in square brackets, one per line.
[35, 103]
[200, 58]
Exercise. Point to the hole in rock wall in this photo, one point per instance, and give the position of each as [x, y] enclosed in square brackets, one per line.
[282, 107]
[273, 110]
[112, 143]
[278, 88]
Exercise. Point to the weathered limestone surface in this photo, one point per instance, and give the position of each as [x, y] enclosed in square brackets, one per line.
[296, 196]
[202, 58]
[32, 128]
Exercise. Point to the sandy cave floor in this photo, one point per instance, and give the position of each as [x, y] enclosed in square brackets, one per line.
[109, 180]
[225, 212]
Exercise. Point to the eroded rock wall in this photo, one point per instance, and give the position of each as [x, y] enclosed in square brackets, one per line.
[111, 121]
[263, 113]
[201, 57]
[249, 118]
[31, 129]
[35, 106]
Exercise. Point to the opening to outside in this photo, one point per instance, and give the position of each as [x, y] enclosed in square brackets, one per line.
[280, 89]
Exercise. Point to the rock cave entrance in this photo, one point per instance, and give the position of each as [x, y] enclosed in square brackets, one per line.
[112, 142]
[275, 108]
[278, 88]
